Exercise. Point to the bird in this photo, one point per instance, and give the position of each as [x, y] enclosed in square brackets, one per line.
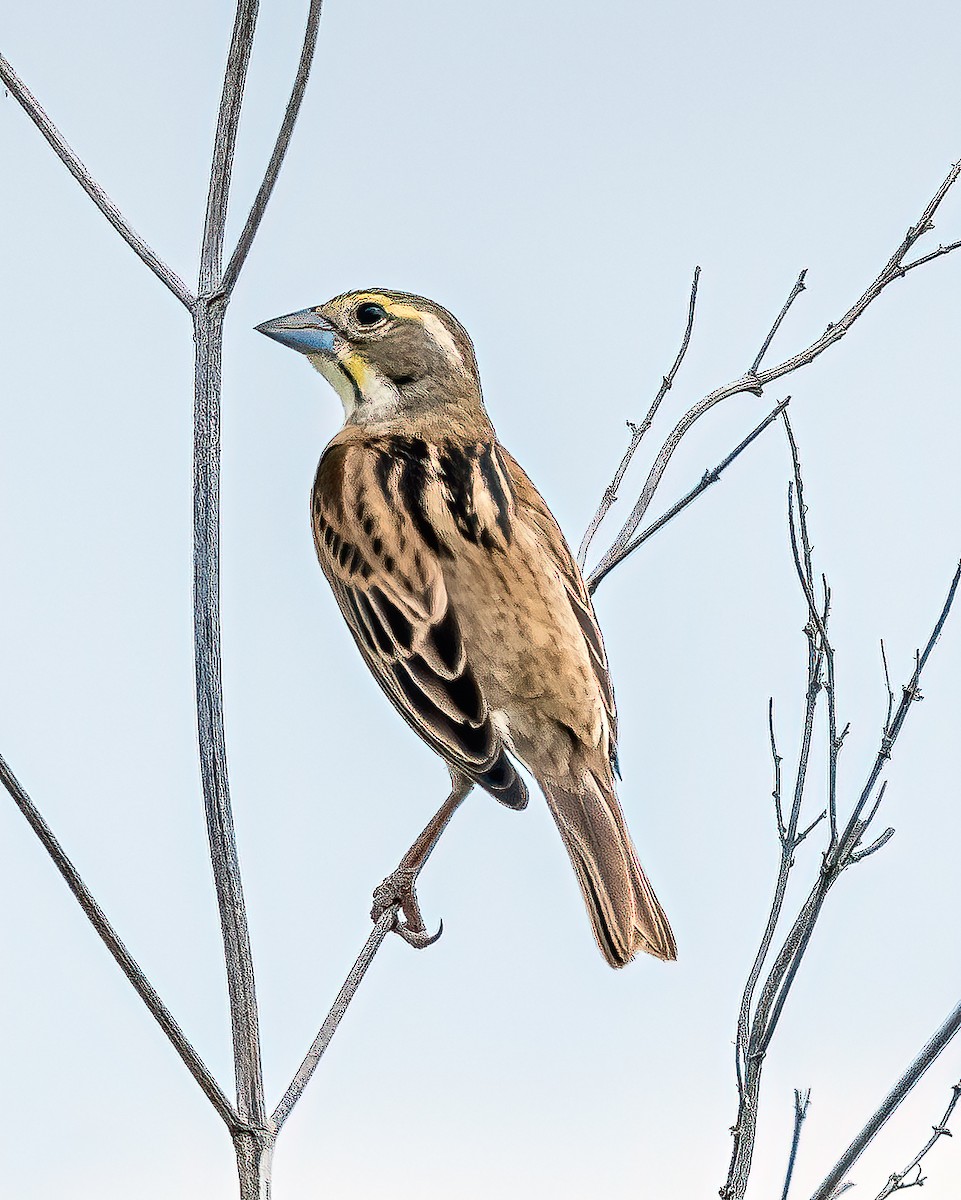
[464, 599]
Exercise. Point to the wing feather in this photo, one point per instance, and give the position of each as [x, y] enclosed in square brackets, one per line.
[380, 554]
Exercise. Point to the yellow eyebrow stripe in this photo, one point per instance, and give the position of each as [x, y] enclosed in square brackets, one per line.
[407, 311]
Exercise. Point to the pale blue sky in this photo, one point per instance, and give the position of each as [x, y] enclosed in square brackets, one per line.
[552, 173]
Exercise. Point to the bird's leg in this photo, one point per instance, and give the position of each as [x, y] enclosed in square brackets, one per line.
[398, 887]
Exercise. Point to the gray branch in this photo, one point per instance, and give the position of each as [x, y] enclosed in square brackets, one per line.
[208, 341]
[252, 1134]
[225, 141]
[896, 1182]
[326, 1032]
[892, 1100]
[758, 1018]
[802, 1101]
[709, 477]
[638, 431]
[765, 345]
[259, 206]
[755, 381]
[124, 959]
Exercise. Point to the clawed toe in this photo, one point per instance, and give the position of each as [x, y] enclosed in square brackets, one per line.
[398, 890]
[420, 939]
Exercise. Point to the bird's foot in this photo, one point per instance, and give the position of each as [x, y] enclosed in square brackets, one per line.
[398, 889]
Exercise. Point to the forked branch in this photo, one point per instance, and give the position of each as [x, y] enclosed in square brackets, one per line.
[31, 106]
[756, 378]
[770, 980]
[638, 431]
[124, 959]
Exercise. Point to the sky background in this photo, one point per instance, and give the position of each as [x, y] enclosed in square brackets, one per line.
[552, 173]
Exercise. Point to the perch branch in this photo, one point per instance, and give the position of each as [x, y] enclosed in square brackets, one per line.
[925, 1058]
[124, 959]
[326, 1032]
[754, 382]
[31, 106]
[896, 1182]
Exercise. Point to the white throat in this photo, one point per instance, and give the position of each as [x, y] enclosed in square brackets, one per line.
[366, 393]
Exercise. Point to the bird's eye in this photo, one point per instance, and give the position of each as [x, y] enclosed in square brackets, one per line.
[370, 314]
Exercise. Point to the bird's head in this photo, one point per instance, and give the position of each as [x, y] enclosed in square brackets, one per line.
[389, 355]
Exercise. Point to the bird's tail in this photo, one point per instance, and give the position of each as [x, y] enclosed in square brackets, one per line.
[624, 911]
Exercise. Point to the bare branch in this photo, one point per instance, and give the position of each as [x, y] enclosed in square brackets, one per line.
[638, 431]
[709, 477]
[926, 258]
[259, 205]
[758, 1021]
[754, 383]
[810, 828]
[925, 1058]
[208, 341]
[326, 1032]
[801, 1102]
[896, 1182]
[795, 292]
[122, 956]
[31, 106]
[911, 692]
[881, 840]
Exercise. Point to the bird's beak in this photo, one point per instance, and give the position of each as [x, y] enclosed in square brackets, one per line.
[305, 331]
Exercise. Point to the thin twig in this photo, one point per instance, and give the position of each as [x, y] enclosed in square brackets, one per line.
[777, 760]
[124, 959]
[910, 693]
[249, 232]
[896, 1182]
[638, 431]
[326, 1032]
[795, 292]
[709, 477]
[894, 268]
[926, 258]
[887, 685]
[751, 1041]
[31, 106]
[758, 1021]
[820, 621]
[901, 1089]
[801, 1102]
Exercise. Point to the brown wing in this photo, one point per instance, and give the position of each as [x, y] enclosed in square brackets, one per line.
[540, 517]
[380, 558]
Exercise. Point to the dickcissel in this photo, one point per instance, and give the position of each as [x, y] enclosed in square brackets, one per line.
[464, 599]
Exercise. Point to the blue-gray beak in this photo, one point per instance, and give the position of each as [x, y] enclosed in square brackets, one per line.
[305, 331]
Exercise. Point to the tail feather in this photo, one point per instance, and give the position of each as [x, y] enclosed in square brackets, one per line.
[625, 913]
